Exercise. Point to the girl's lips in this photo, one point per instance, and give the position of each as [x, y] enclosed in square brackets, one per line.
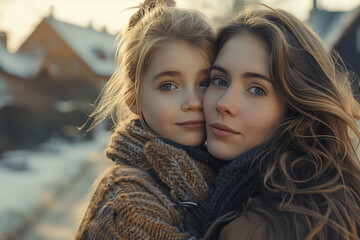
[222, 130]
[192, 124]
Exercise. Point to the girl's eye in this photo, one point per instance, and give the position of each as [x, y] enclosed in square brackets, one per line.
[167, 87]
[219, 82]
[258, 91]
[205, 83]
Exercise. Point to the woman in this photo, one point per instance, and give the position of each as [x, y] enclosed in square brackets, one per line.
[280, 108]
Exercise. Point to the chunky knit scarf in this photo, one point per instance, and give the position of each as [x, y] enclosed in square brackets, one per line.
[200, 154]
[149, 192]
[233, 185]
[138, 147]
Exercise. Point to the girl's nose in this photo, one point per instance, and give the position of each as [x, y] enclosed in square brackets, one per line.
[192, 101]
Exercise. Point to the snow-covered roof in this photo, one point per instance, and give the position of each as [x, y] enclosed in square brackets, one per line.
[23, 65]
[96, 48]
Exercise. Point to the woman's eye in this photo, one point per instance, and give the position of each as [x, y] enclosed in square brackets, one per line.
[258, 91]
[205, 83]
[167, 86]
[219, 82]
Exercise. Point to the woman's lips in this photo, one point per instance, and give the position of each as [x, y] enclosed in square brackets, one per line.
[222, 130]
[192, 124]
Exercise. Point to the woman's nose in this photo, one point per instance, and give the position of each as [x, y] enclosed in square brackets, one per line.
[226, 105]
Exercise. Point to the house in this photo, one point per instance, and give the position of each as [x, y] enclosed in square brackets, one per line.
[20, 100]
[47, 86]
[77, 63]
[72, 51]
[17, 74]
[78, 60]
[340, 31]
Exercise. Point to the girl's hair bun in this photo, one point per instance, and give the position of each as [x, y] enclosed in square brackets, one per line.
[150, 4]
[147, 6]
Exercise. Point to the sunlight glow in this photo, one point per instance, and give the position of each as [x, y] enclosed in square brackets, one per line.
[112, 14]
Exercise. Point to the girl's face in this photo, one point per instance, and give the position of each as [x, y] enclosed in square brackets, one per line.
[171, 93]
[241, 107]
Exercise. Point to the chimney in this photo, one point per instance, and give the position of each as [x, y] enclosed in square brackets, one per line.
[3, 38]
[104, 29]
[315, 4]
[314, 15]
[91, 24]
[51, 11]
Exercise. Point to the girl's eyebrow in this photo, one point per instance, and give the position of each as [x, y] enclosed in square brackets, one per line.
[246, 75]
[166, 73]
[204, 72]
[176, 73]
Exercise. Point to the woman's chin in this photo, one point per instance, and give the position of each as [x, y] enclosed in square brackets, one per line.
[220, 150]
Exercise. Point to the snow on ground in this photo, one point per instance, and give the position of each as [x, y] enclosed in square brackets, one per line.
[27, 177]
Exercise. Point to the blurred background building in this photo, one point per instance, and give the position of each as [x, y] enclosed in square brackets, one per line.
[48, 84]
[340, 30]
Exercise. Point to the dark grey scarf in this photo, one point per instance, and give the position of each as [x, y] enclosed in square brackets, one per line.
[233, 186]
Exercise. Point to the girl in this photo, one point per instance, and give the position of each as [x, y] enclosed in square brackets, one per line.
[281, 109]
[157, 186]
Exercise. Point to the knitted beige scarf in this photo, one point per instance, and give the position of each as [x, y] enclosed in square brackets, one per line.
[160, 180]
[187, 179]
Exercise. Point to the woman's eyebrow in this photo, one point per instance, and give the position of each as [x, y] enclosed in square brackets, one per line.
[247, 74]
[256, 75]
[218, 68]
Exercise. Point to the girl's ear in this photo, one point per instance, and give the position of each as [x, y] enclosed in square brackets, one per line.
[134, 109]
[132, 105]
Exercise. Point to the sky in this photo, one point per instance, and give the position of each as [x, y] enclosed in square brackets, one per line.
[18, 18]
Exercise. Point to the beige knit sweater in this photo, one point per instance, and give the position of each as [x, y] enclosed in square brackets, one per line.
[145, 194]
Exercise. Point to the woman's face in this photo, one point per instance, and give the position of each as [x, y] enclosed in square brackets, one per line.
[241, 107]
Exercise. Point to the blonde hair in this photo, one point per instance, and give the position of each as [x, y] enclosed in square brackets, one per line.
[154, 24]
[311, 171]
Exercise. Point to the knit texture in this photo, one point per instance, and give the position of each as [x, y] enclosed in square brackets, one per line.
[200, 153]
[233, 186]
[141, 196]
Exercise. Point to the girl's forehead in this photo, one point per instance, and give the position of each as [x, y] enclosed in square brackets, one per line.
[176, 58]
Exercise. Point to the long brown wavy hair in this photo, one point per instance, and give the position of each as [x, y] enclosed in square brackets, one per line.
[311, 171]
[153, 25]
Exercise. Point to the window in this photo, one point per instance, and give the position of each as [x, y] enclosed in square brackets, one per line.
[99, 53]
